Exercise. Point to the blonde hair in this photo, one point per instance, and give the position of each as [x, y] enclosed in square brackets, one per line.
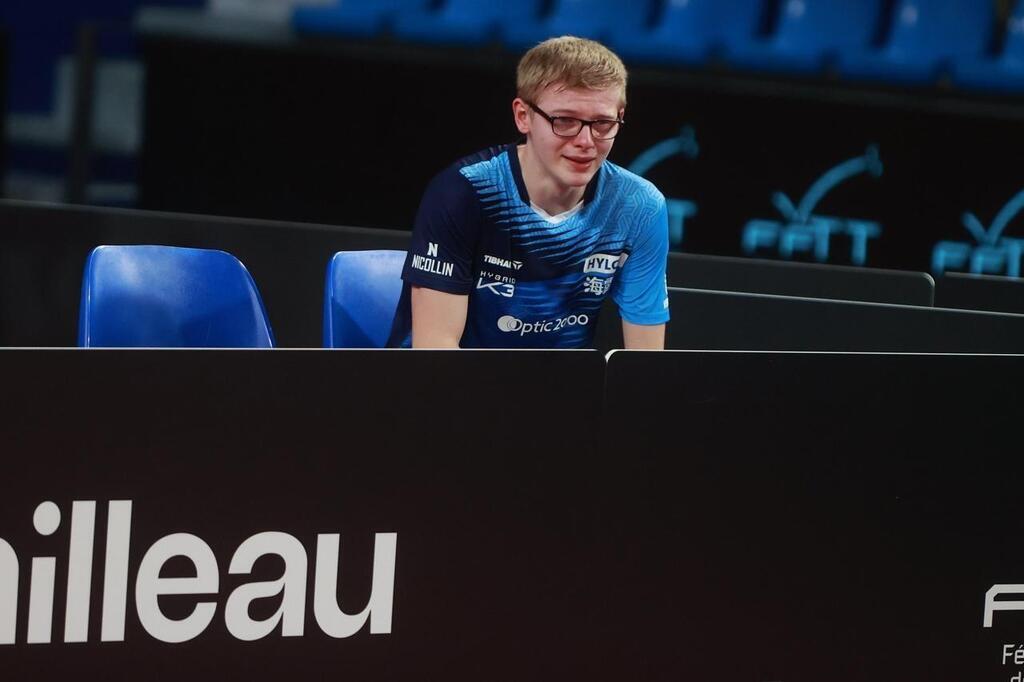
[570, 62]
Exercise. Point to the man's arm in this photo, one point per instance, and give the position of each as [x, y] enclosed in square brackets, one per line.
[643, 336]
[438, 318]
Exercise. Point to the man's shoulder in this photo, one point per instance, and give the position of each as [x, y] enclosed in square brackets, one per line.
[483, 156]
[458, 180]
[624, 183]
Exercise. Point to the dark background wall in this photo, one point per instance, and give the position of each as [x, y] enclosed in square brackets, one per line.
[350, 132]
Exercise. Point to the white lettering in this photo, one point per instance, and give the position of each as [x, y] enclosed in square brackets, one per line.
[292, 586]
[503, 262]
[149, 586]
[8, 592]
[46, 520]
[507, 323]
[40, 600]
[332, 620]
[497, 288]
[76, 619]
[432, 249]
[115, 570]
[432, 266]
[991, 605]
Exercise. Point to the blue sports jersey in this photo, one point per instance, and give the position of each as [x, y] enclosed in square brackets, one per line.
[532, 283]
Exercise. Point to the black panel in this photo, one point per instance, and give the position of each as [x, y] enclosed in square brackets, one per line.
[730, 321]
[478, 461]
[980, 292]
[811, 280]
[818, 517]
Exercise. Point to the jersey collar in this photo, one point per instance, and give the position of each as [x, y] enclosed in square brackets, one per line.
[517, 174]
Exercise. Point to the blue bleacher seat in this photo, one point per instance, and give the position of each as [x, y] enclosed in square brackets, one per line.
[810, 33]
[925, 36]
[360, 298]
[1004, 72]
[595, 19]
[690, 31]
[466, 22]
[358, 18]
[164, 296]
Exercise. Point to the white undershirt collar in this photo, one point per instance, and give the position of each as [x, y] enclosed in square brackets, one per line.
[559, 217]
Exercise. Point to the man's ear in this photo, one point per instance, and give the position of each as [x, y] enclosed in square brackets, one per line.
[521, 113]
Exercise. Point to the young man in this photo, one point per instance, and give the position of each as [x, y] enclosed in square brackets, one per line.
[517, 246]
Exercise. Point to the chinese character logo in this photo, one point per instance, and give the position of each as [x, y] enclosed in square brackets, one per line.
[801, 230]
[597, 285]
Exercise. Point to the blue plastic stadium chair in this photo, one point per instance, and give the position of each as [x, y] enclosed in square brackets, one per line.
[467, 22]
[1004, 72]
[811, 33]
[925, 37]
[362, 292]
[358, 18]
[690, 31]
[596, 19]
[170, 297]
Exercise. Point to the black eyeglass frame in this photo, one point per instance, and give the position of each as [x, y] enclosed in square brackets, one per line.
[581, 121]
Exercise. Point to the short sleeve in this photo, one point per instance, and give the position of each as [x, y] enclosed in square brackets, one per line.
[445, 236]
[640, 289]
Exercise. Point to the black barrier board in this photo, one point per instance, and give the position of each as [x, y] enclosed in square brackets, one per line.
[980, 292]
[757, 275]
[713, 320]
[463, 472]
[808, 517]
[44, 248]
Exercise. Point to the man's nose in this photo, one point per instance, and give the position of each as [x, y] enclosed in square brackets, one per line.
[584, 138]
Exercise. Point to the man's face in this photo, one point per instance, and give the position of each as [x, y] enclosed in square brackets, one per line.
[569, 162]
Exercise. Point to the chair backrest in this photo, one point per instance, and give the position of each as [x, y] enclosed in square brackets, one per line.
[353, 16]
[361, 296]
[597, 18]
[489, 13]
[709, 22]
[1014, 46]
[165, 296]
[935, 29]
[810, 26]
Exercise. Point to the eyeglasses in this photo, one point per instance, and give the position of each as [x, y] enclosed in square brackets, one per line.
[567, 126]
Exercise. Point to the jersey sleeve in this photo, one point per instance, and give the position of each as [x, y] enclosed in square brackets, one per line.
[640, 289]
[444, 237]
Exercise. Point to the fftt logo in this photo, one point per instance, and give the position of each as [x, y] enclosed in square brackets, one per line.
[150, 586]
[992, 254]
[802, 230]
